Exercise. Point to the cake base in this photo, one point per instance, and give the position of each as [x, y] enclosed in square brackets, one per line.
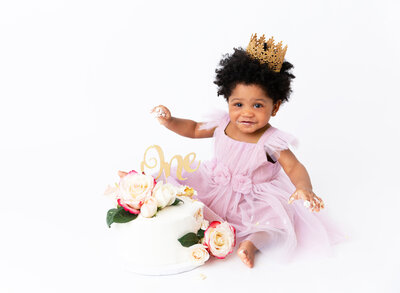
[160, 270]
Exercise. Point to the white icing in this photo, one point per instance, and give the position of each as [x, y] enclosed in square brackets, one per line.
[154, 241]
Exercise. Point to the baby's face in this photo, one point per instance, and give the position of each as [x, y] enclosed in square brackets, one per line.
[249, 108]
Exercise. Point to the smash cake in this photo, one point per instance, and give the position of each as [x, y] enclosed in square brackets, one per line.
[160, 228]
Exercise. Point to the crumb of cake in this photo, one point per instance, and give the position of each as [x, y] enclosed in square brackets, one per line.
[189, 192]
[202, 276]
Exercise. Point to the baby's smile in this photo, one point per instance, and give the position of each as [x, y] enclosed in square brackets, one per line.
[246, 122]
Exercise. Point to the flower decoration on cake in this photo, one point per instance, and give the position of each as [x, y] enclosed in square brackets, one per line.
[219, 239]
[198, 254]
[138, 193]
[133, 190]
[165, 194]
[149, 208]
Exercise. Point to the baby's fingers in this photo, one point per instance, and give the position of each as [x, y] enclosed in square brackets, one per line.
[321, 202]
[315, 207]
[293, 197]
[160, 111]
[155, 109]
[318, 204]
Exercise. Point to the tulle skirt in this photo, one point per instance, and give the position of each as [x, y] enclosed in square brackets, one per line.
[264, 216]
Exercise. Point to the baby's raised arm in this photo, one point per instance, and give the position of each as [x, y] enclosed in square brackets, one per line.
[184, 127]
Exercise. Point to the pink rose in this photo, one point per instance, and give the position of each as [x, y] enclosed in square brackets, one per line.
[133, 190]
[220, 239]
[127, 207]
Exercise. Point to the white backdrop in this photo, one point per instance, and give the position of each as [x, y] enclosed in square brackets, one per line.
[77, 81]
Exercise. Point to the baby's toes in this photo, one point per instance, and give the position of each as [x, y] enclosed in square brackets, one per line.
[245, 258]
[242, 253]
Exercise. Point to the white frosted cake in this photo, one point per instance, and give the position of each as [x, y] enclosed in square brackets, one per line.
[151, 243]
[160, 229]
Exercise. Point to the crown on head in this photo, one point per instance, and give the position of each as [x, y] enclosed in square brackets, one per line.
[267, 52]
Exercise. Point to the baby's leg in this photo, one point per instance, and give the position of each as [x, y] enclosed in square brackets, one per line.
[249, 247]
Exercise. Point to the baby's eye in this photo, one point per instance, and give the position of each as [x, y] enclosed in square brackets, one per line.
[238, 105]
[257, 105]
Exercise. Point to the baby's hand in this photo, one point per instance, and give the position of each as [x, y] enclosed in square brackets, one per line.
[311, 200]
[162, 114]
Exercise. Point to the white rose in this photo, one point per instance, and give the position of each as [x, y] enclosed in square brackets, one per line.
[149, 208]
[134, 188]
[220, 239]
[204, 225]
[165, 194]
[198, 254]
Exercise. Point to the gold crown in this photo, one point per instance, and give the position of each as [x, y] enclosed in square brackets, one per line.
[267, 52]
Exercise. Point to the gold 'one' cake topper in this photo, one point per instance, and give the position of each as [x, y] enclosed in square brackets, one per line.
[183, 163]
[267, 52]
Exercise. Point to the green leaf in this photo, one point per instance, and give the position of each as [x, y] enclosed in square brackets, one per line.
[189, 239]
[200, 234]
[177, 200]
[122, 216]
[119, 215]
[110, 217]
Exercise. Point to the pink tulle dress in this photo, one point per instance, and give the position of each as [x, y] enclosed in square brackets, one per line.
[249, 191]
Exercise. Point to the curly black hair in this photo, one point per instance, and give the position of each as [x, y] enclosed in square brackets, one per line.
[240, 67]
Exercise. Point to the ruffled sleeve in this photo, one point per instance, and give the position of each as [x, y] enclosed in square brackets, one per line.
[214, 119]
[277, 142]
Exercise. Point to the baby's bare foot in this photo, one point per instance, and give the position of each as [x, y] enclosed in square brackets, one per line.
[246, 253]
